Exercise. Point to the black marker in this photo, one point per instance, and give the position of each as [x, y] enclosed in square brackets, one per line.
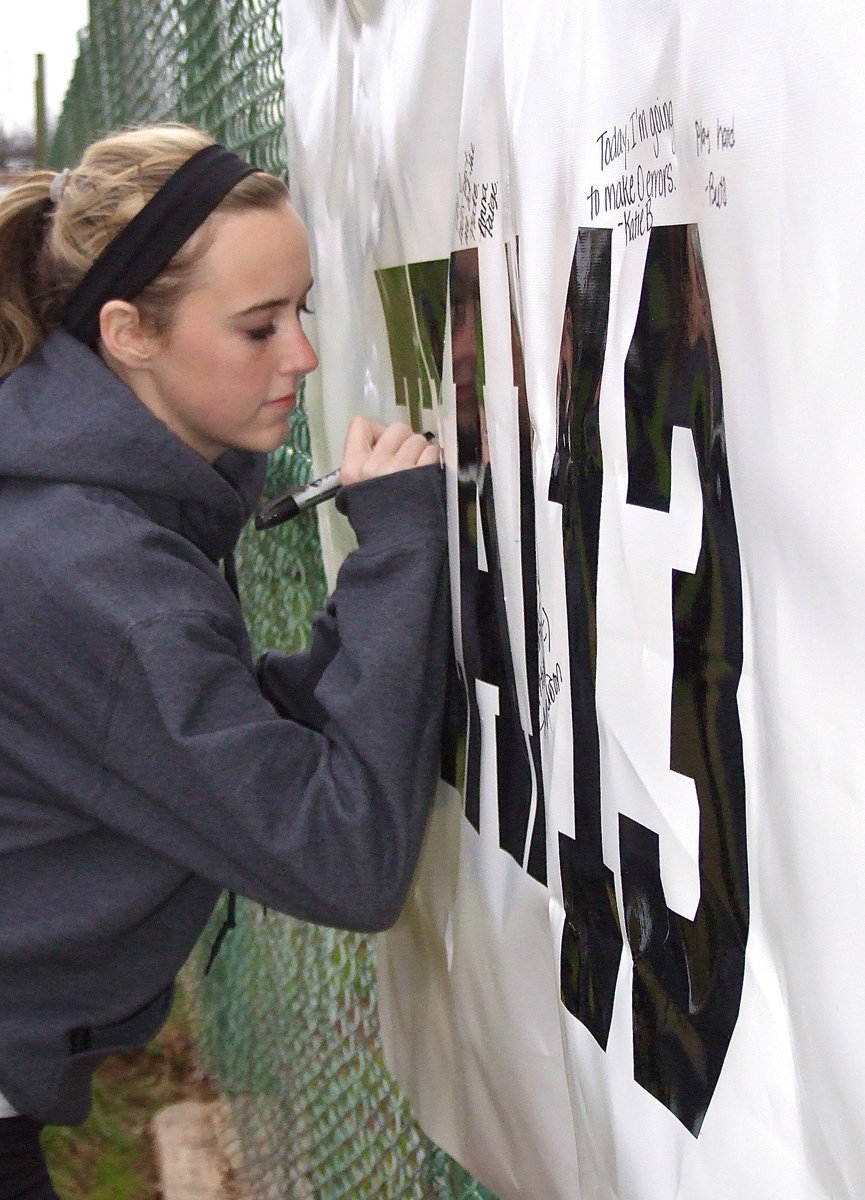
[299, 499]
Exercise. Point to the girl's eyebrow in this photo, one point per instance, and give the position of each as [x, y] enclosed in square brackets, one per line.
[265, 304]
[280, 302]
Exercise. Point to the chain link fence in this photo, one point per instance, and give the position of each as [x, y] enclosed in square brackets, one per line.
[286, 1019]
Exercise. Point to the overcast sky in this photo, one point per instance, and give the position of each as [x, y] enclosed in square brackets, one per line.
[28, 28]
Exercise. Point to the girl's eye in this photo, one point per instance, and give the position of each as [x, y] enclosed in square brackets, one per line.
[307, 310]
[261, 333]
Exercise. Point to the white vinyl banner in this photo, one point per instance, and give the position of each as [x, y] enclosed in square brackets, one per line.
[612, 254]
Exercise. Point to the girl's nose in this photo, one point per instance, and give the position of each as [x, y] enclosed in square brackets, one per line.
[299, 356]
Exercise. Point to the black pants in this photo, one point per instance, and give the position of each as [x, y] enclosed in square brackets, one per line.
[23, 1174]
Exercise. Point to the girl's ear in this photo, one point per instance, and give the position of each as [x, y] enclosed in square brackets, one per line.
[123, 334]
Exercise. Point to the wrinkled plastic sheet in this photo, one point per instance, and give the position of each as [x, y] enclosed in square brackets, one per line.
[611, 255]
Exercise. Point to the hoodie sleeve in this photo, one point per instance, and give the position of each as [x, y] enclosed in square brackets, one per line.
[321, 817]
[289, 681]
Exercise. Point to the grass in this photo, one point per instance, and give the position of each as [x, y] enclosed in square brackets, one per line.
[109, 1157]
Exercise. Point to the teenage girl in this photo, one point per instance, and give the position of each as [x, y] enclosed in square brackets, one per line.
[151, 349]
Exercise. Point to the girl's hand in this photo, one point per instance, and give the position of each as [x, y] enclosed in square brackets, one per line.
[372, 449]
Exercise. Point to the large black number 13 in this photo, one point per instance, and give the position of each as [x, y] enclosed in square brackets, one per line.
[687, 973]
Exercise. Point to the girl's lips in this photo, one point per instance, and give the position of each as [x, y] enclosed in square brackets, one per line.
[286, 402]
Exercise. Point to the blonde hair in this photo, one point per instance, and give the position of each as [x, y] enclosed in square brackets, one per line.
[47, 248]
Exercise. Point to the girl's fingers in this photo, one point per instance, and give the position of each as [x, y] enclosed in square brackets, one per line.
[432, 456]
[372, 450]
[360, 440]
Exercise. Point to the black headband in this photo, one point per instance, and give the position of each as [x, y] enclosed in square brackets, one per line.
[147, 244]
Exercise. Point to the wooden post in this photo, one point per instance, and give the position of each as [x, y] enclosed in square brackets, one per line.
[41, 127]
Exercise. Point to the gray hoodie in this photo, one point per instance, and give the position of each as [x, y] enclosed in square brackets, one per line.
[146, 763]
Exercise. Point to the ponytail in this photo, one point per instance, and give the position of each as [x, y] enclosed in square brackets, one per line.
[25, 214]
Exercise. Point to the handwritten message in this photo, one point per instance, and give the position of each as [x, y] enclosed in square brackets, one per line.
[550, 677]
[718, 138]
[477, 203]
[636, 161]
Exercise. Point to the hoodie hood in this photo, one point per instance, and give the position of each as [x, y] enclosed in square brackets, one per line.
[66, 418]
